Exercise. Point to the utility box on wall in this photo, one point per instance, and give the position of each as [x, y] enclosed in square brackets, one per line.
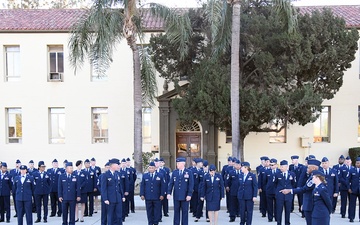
[304, 142]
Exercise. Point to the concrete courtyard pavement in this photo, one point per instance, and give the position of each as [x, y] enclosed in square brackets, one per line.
[139, 218]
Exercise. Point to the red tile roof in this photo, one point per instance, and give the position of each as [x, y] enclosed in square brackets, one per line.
[61, 20]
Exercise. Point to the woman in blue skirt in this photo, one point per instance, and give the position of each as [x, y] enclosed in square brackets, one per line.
[321, 199]
[213, 192]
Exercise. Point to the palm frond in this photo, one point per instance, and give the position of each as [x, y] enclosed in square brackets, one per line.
[148, 77]
[95, 36]
[177, 26]
[286, 12]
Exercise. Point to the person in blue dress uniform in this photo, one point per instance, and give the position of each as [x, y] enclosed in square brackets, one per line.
[5, 189]
[125, 183]
[165, 201]
[103, 205]
[182, 183]
[54, 174]
[82, 179]
[212, 192]
[153, 191]
[232, 186]
[261, 186]
[24, 188]
[307, 189]
[322, 205]
[112, 193]
[354, 188]
[69, 193]
[338, 169]
[42, 190]
[199, 210]
[14, 173]
[284, 180]
[331, 177]
[133, 176]
[224, 174]
[90, 187]
[197, 173]
[296, 168]
[270, 190]
[344, 185]
[97, 170]
[247, 193]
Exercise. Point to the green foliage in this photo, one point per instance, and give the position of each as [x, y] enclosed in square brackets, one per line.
[354, 153]
[284, 76]
[146, 159]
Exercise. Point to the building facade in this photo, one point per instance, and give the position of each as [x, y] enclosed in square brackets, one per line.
[48, 110]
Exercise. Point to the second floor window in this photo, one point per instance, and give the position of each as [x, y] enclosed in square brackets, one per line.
[100, 125]
[322, 126]
[56, 63]
[14, 125]
[277, 137]
[57, 125]
[12, 63]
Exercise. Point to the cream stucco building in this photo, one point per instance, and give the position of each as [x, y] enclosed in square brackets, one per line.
[48, 111]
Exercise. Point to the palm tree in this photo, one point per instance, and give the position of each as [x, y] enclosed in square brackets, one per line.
[225, 29]
[106, 23]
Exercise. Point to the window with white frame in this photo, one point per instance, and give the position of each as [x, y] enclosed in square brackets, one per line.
[277, 137]
[56, 63]
[56, 125]
[100, 124]
[95, 76]
[358, 139]
[12, 63]
[146, 125]
[14, 125]
[322, 126]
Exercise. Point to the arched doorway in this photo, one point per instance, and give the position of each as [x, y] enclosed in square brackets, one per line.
[188, 141]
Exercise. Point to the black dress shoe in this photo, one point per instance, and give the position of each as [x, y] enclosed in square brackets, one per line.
[196, 220]
[37, 221]
[81, 220]
[351, 220]
[1, 220]
[77, 220]
[166, 215]
[52, 215]
[90, 215]
[85, 215]
[123, 220]
[342, 216]
[45, 220]
[59, 215]
[15, 215]
[263, 215]
[232, 220]
[132, 211]
[270, 220]
[8, 221]
[160, 220]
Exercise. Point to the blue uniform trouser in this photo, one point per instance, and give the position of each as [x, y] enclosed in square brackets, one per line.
[68, 207]
[321, 221]
[280, 205]
[234, 207]
[352, 205]
[334, 203]
[153, 211]
[194, 202]
[54, 201]
[199, 210]
[227, 200]
[271, 206]
[89, 210]
[114, 215]
[24, 207]
[344, 197]
[41, 200]
[246, 211]
[5, 206]
[308, 217]
[131, 200]
[299, 198]
[183, 207]
[263, 202]
[165, 206]
[104, 212]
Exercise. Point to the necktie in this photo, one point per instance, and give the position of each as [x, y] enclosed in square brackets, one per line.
[152, 176]
[212, 179]
[284, 174]
[180, 172]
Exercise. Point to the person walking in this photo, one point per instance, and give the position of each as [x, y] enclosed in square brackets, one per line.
[247, 193]
[153, 191]
[182, 182]
[69, 193]
[232, 186]
[322, 201]
[212, 192]
[24, 188]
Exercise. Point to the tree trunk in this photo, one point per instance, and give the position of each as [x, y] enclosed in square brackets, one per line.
[235, 79]
[241, 148]
[137, 109]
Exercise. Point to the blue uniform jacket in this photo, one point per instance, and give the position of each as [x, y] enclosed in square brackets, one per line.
[212, 191]
[307, 194]
[5, 184]
[24, 191]
[270, 181]
[131, 172]
[183, 185]
[124, 179]
[284, 183]
[197, 179]
[344, 175]
[32, 171]
[82, 177]
[69, 188]
[153, 188]
[42, 185]
[322, 205]
[297, 171]
[54, 178]
[332, 181]
[304, 176]
[232, 182]
[248, 188]
[354, 179]
[262, 178]
[110, 188]
[91, 180]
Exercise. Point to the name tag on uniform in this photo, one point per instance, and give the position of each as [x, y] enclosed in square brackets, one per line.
[6, 178]
[207, 180]
[109, 179]
[250, 178]
[316, 194]
[28, 181]
[63, 180]
[158, 178]
[36, 177]
[279, 178]
[217, 178]
[46, 176]
[146, 179]
[82, 175]
[186, 175]
[74, 179]
[333, 175]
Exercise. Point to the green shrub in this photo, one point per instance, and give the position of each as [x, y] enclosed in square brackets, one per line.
[354, 153]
